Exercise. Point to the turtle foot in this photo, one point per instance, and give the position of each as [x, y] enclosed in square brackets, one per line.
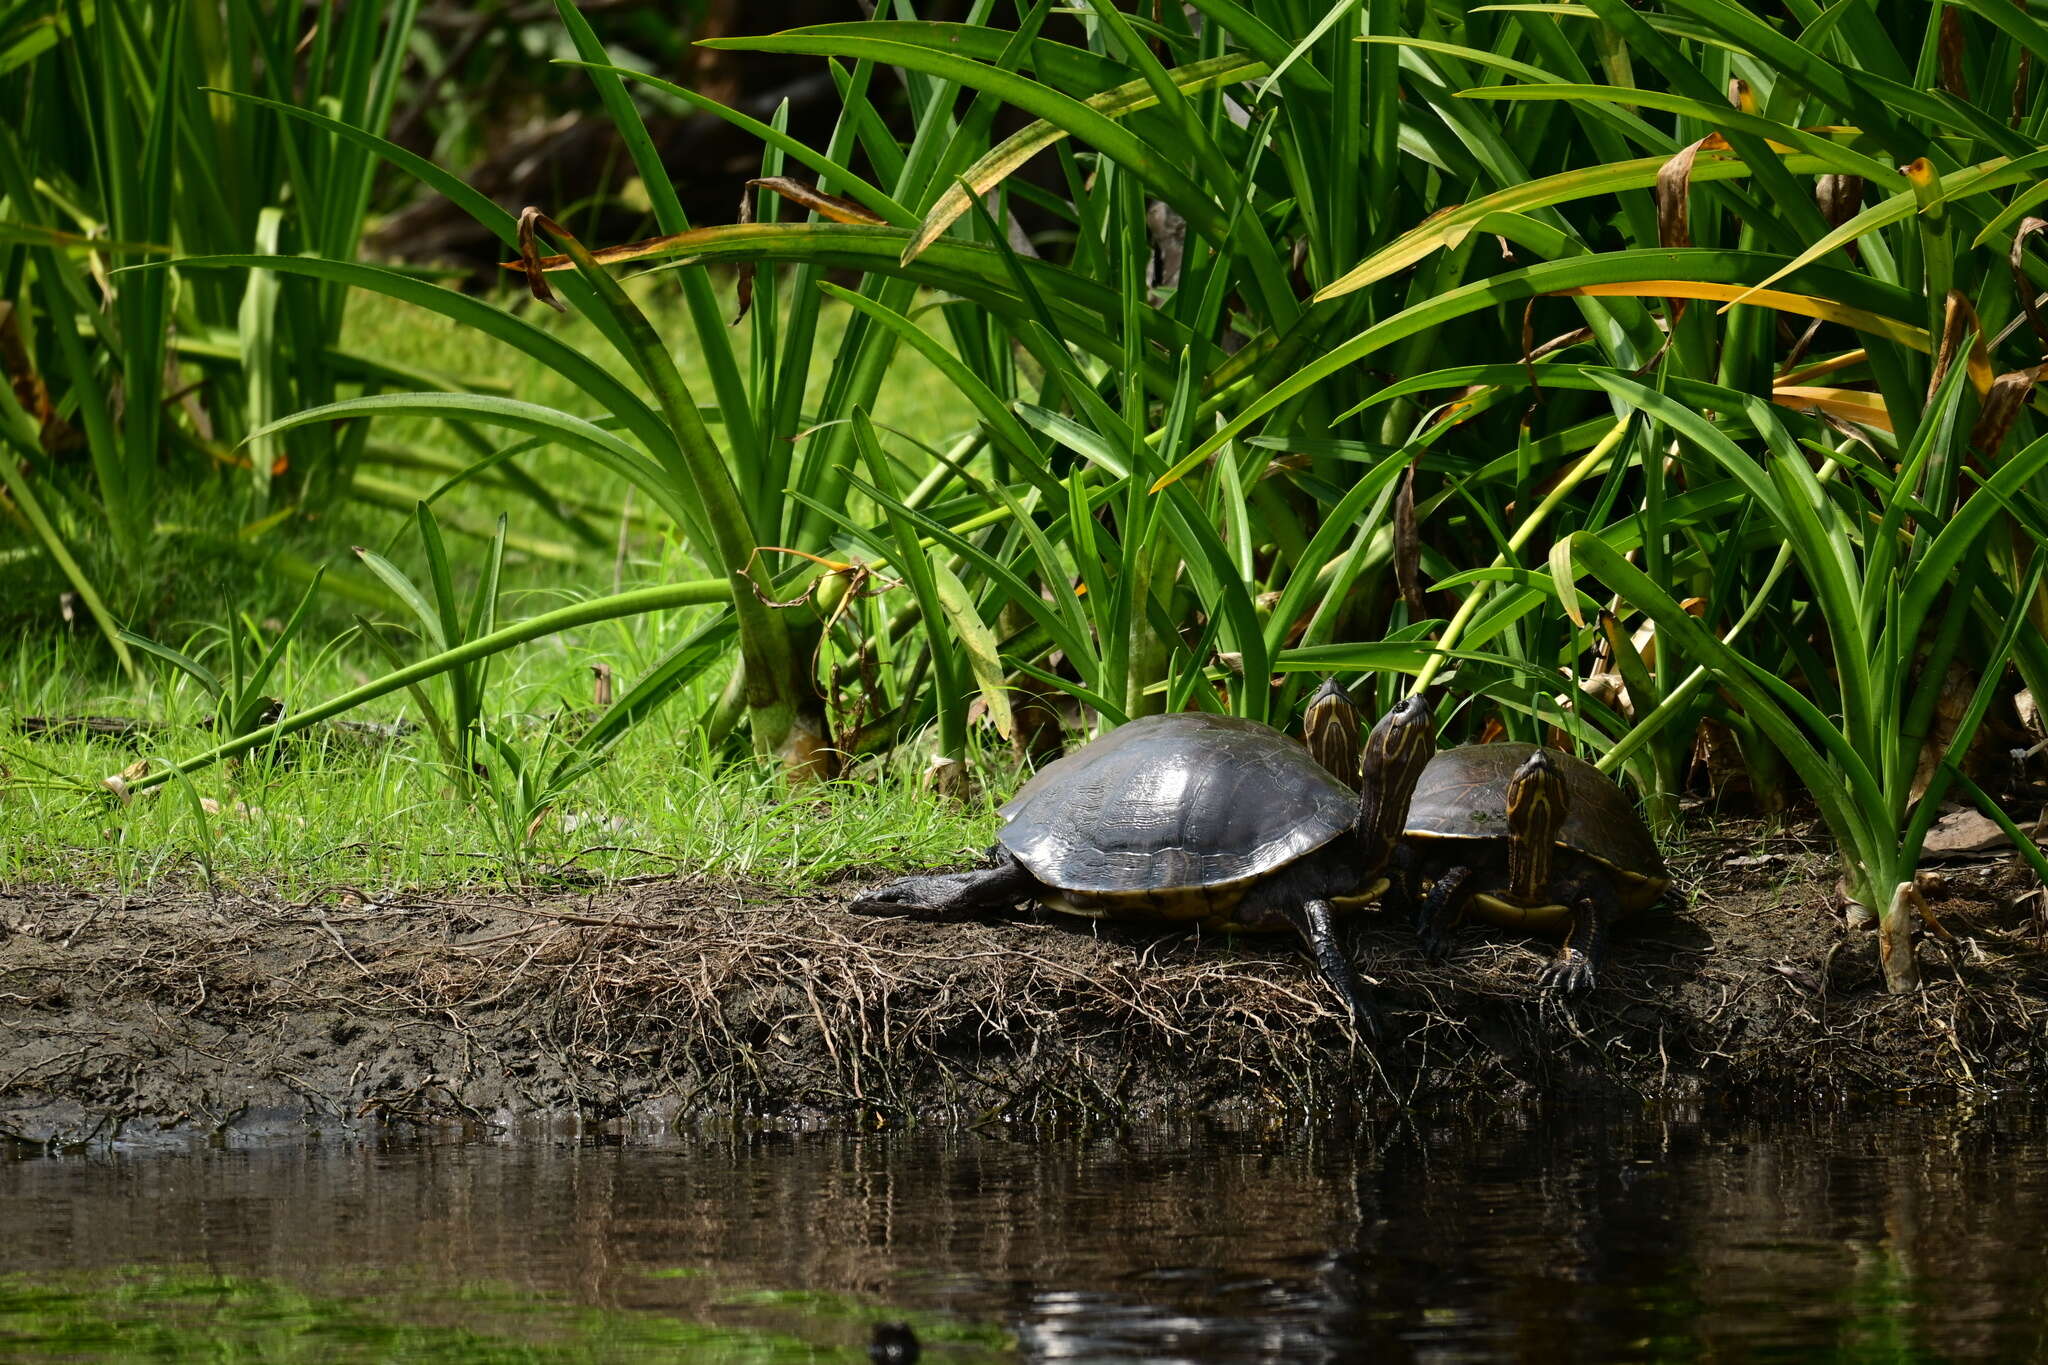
[1314, 920]
[1570, 973]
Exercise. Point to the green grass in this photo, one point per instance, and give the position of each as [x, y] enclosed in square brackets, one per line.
[664, 803]
[390, 817]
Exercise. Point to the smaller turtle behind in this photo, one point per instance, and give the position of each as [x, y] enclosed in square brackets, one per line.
[1524, 837]
[1530, 838]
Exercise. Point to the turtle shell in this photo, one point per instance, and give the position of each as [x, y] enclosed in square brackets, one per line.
[1175, 815]
[1463, 793]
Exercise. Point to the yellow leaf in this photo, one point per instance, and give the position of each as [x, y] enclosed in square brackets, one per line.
[1847, 360]
[1806, 305]
[1448, 227]
[1851, 405]
[1924, 188]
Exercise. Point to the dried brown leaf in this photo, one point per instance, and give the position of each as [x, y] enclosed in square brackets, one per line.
[1560, 341]
[832, 206]
[1839, 197]
[1716, 752]
[1951, 704]
[1408, 547]
[1952, 54]
[18, 371]
[613, 255]
[950, 778]
[1799, 347]
[1674, 186]
[2001, 407]
[1961, 335]
[1674, 193]
[1529, 350]
[2016, 259]
[531, 218]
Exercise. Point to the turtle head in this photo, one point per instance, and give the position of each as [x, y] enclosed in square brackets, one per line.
[1330, 729]
[1536, 803]
[1335, 692]
[1396, 752]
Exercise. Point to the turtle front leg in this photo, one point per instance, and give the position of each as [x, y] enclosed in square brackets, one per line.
[1578, 962]
[964, 893]
[1443, 909]
[1314, 920]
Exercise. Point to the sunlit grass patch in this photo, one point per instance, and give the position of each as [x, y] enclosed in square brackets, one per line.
[375, 815]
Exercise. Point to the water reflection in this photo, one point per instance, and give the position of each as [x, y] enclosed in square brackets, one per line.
[1528, 1234]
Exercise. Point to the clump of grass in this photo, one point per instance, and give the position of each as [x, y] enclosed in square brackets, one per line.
[359, 809]
[374, 803]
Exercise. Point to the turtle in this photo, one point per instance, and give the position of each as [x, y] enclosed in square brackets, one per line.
[1524, 836]
[1530, 838]
[1195, 819]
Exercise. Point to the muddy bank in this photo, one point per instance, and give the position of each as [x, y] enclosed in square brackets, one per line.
[670, 1000]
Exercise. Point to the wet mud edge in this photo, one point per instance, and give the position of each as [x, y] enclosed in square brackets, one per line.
[671, 1001]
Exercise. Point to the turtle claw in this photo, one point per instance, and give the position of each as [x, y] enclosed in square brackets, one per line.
[1570, 973]
[1365, 1017]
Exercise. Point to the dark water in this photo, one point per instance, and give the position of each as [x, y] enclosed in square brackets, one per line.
[1533, 1235]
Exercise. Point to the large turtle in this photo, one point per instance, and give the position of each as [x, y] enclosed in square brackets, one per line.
[1198, 819]
[1526, 837]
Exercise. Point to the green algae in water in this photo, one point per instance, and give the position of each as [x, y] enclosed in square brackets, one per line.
[162, 1315]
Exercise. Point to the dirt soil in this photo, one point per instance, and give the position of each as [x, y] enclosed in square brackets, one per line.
[665, 1001]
